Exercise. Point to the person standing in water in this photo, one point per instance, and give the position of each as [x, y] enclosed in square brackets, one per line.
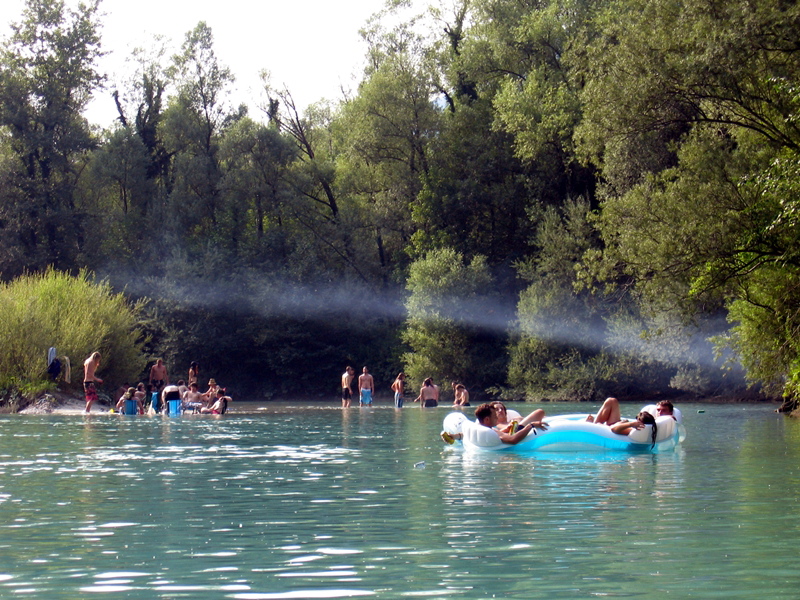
[399, 388]
[367, 386]
[90, 365]
[347, 386]
[462, 395]
[428, 394]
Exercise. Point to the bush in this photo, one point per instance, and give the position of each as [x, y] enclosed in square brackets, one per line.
[76, 315]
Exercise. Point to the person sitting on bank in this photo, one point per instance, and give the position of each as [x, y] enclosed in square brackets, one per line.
[129, 394]
[193, 399]
[210, 395]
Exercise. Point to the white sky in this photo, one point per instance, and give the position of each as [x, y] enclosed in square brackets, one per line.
[311, 46]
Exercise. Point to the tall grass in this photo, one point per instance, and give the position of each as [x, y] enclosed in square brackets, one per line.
[75, 314]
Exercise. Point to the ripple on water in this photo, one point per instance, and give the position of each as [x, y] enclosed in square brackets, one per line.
[237, 508]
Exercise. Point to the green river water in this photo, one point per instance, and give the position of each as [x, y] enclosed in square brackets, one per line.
[308, 501]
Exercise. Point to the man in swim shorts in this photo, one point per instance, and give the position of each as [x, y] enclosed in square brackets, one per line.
[399, 388]
[158, 376]
[367, 386]
[347, 386]
[193, 399]
[90, 365]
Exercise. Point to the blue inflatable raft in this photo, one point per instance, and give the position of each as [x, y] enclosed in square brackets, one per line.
[568, 433]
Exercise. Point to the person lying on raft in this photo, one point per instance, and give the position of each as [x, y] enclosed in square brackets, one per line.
[487, 415]
[642, 419]
[504, 424]
[608, 414]
[666, 409]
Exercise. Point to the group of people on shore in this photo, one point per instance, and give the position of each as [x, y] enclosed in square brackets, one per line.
[494, 416]
[158, 392]
[428, 394]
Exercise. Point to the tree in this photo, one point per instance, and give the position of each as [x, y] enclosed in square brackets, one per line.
[257, 159]
[141, 106]
[191, 128]
[308, 133]
[385, 134]
[47, 77]
[78, 316]
[453, 322]
[558, 352]
[118, 190]
[717, 225]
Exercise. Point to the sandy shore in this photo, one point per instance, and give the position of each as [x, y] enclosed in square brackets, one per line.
[59, 403]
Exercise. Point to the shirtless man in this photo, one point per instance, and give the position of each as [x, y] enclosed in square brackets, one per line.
[158, 376]
[666, 409]
[347, 386]
[486, 416]
[170, 392]
[399, 389]
[90, 365]
[462, 395]
[367, 387]
[193, 399]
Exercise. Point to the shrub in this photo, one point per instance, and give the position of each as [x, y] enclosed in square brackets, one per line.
[76, 315]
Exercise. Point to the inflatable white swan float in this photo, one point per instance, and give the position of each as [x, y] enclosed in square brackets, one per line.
[570, 433]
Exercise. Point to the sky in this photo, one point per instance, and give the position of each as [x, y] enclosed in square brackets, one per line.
[310, 46]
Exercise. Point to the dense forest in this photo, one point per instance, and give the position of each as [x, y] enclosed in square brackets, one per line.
[544, 199]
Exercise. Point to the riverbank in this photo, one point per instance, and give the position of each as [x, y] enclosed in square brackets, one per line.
[60, 403]
[65, 403]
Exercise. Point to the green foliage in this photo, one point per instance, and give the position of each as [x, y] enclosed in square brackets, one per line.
[477, 193]
[76, 315]
[639, 181]
[449, 302]
[47, 76]
[557, 352]
[766, 325]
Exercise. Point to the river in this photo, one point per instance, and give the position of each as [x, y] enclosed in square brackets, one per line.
[303, 500]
